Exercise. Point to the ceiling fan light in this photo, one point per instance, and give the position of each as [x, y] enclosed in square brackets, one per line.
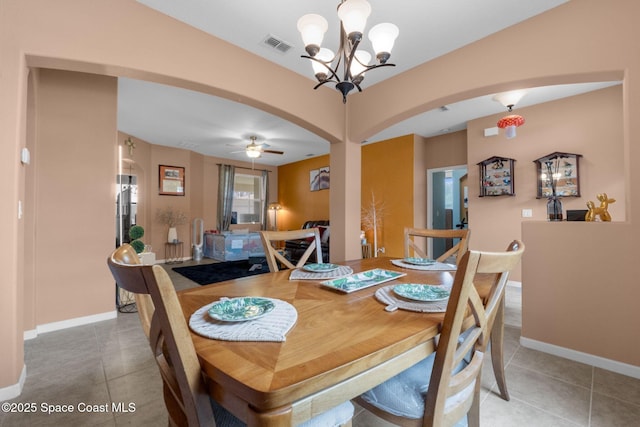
[312, 28]
[253, 153]
[354, 14]
[382, 37]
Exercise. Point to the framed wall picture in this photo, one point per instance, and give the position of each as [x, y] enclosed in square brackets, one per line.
[319, 179]
[171, 180]
[559, 170]
[496, 177]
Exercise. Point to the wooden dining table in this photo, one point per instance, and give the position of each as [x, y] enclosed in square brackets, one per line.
[341, 345]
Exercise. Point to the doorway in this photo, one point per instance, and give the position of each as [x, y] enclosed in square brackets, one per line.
[126, 207]
[447, 193]
[126, 216]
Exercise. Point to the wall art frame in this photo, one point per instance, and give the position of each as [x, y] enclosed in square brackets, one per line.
[565, 169]
[319, 179]
[171, 180]
[496, 177]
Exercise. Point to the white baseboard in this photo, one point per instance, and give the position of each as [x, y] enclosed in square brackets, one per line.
[30, 334]
[162, 261]
[14, 390]
[514, 284]
[578, 356]
[70, 323]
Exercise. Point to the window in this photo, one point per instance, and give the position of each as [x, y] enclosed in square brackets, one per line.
[248, 198]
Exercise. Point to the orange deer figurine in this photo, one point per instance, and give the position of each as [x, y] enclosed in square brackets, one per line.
[600, 210]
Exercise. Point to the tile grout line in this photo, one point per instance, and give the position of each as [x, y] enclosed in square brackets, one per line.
[593, 370]
[104, 371]
[542, 409]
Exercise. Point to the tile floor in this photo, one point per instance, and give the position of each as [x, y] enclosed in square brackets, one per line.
[110, 362]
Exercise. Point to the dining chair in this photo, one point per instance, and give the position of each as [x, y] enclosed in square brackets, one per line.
[275, 255]
[126, 254]
[441, 389]
[414, 236]
[497, 295]
[185, 391]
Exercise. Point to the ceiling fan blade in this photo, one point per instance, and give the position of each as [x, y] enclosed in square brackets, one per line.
[272, 151]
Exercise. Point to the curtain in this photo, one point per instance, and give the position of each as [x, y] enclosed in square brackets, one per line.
[226, 174]
[265, 200]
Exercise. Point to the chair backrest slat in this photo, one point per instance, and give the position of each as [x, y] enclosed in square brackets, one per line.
[412, 245]
[274, 255]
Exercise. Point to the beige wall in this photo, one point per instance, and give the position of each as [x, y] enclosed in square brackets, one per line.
[580, 41]
[201, 189]
[445, 150]
[583, 302]
[589, 124]
[438, 152]
[74, 159]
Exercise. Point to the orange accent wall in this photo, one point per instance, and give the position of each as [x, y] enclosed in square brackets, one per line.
[299, 203]
[395, 170]
[387, 173]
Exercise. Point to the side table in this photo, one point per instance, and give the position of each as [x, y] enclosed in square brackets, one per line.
[173, 252]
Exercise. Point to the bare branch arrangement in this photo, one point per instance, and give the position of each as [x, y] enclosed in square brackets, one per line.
[371, 219]
[171, 217]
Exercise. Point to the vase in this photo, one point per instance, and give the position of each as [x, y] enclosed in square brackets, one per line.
[173, 235]
[554, 209]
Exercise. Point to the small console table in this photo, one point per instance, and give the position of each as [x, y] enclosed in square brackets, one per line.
[173, 252]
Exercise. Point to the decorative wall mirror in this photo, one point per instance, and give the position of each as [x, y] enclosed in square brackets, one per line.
[496, 177]
[558, 174]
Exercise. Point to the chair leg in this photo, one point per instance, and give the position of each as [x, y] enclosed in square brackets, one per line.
[473, 415]
[497, 356]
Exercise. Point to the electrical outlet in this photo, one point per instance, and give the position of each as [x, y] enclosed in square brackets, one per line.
[381, 250]
[527, 213]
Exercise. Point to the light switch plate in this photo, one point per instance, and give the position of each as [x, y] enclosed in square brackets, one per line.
[527, 213]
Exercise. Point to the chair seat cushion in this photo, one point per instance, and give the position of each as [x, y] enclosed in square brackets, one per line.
[334, 417]
[403, 395]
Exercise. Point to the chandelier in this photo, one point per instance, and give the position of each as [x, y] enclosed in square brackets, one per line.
[353, 16]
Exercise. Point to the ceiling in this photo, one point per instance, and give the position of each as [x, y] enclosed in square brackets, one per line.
[213, 126]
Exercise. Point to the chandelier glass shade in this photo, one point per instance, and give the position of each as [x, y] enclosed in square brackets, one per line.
[353, 16]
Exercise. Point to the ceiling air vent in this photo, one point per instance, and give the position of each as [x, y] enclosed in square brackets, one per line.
[188, 145]
[276, 43]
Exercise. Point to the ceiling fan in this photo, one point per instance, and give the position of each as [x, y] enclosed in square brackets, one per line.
[254, 150]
